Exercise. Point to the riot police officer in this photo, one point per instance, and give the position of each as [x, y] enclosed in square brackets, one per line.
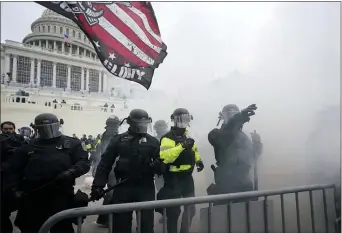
[135, 168]
[43, 174]
[7, 198]
[161, 128]
[179, 152]
[235, 153]
[112, 129]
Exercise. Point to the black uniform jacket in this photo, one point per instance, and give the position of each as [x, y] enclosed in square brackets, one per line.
[41, 161]
[134, 154]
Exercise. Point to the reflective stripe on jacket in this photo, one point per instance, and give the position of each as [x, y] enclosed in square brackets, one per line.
[170, 151]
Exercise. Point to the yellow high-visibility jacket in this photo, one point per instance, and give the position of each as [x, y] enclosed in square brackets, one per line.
[172, 153]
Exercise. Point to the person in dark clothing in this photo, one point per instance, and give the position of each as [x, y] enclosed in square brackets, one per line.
[137, 163]
[112, 129]
[235, 154]
[7, 198]
[161, 128]
[26, 133]
[43, 174]
[179, 152]
[84, 138]
[7, 127]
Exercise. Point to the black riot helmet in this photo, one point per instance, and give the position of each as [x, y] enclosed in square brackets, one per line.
[47, 126]
[181, 117]
[139, 121]
[228, 112]
[113, 122]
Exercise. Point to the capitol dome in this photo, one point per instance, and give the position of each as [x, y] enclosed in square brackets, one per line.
[58, 56]
[49, 31]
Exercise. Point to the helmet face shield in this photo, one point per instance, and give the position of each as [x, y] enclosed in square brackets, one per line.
[227, 115]
[182, 121]
[48, 131]
[141, 127]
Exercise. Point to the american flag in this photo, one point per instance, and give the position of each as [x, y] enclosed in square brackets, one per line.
[67, 39]
[125, 35]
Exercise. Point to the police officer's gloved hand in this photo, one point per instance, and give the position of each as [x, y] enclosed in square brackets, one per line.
[66, 175]
[155, 164]
[200, 166]
[96, 193]
[188, 143]
[248, 112]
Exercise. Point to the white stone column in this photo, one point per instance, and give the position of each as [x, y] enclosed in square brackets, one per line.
[63, 50]
[78, 50]
[82, 78]
[54, 45]
[7, 63]
[40, 43]
[54, 73]
[14, 72]
[47, 44]
[32, 72]
[100, 81]
[87, 80]
[105, 83]
[69, 78]
[39, 63]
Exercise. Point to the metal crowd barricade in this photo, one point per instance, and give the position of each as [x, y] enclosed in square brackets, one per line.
[138, 207]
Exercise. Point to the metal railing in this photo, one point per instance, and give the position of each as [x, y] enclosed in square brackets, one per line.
[138, 207]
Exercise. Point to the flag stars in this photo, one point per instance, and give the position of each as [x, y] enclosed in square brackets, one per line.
[112, 56]
[97, 44]
[127, 64]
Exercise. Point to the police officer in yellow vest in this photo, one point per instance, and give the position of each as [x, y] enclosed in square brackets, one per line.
[179, 152]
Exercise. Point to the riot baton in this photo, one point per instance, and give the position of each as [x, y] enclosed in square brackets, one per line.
[113, 187]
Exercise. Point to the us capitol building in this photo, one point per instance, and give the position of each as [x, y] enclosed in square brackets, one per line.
[46, 73]
[45, 60]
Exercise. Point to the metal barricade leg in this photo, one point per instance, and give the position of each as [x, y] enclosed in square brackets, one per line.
[266, 215]
[110, 223]
[248, 222]
[139, 221]
[283, 223]
[312, 211]
[209, 216]
[229, 214]
[325, 211]
[165, 221]
[297, 213]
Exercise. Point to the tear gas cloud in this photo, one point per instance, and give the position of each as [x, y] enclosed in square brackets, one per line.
[290, 69]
